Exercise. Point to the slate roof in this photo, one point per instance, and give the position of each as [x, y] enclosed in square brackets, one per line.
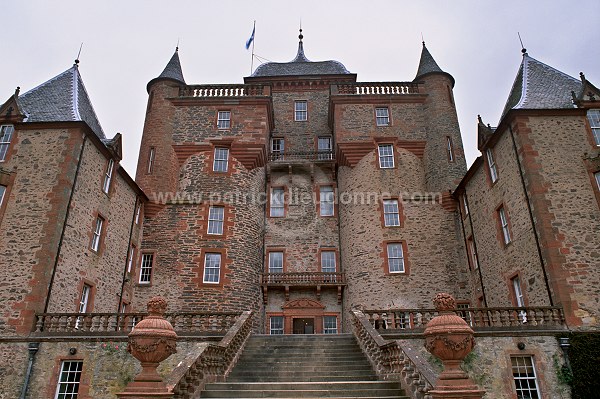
[539, 86]
[62, 98]
[427, 65]
[300, 66]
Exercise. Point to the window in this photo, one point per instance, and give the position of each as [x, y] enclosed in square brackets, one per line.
[221, 159]
[386, 156]
[276, 325]
[275, 262]
[472, 253]
[224, 120]
[97, 234]
[596, 175]
[328, 262]
[70, 376]
[391, 213]
[130, 260]
[3, 191]
[326, 201]
[382, 116]
[216, 215]
[450, 149]
[519, 298]
[300, 111]
[277, 207]
[212, 268]
[324, 148]
[395, 257]
[138, 210]
[465, 205]
[277, 148]
[524, 376]
[593, 117]
[84, 300]
[402, 320]
[146, 268]
[6, 133]
[108, 176]
[504, 225]
[330, 325]
[151, 155]
[463, 313]
[491, 165]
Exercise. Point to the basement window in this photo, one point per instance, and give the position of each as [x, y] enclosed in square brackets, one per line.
[68, 383]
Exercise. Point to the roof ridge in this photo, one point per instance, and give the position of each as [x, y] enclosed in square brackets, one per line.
[524, 80]
[75, 94]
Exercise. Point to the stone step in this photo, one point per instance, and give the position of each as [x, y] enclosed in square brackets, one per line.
[298, 392]
[278, 375]
[302, 356]
[308, 351]
[294, 378]
[295, 366]
[277, 386]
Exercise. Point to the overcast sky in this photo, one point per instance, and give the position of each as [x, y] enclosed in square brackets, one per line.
[127, 43]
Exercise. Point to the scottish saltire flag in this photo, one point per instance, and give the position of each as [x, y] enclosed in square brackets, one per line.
[249, 41]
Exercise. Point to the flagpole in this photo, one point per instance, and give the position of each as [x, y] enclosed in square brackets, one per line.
[253, 40]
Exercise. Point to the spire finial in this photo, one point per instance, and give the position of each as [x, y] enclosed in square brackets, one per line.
[422, 40]
[78, 54]
[300, 36]
[523, 49]
[177, 47]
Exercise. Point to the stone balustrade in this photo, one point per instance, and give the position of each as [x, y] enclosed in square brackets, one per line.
[303, 278]
[391, 361]
[548, 317]
[315, 156]
[376, 88]
[215, 361]
[122, 323]
[226, 90]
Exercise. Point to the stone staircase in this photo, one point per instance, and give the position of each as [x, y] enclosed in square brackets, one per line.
[303, 366]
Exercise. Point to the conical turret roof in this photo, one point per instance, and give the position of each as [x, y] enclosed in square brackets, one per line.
[539, 86]
[61, 99]
[172, 71]
[427, 66]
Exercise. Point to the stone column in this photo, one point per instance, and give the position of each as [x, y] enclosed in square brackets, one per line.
[449, 338]
[151, 341]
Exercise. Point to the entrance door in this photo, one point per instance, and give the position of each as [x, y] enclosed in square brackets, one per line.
[304, 326]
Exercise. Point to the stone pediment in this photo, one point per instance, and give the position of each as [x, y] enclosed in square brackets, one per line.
[303, 303]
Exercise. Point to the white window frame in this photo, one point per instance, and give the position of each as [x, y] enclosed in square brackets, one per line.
[224, 120]
[276, 324]
[221, 159]
[450, 148]
[330, 325]
[465, 205]
[138, 210]
[518, 292]
[146, 264]
[596, 175]
[212, 268]
[300, 110]
[97, 234]
[593, 116]
[216, 219]
[492, 165]
[394, 258]
[402, 320]
[84, 298]
[6, 134]
[130, 260]
[3, 190]
[326, 201]
[391, 213]
[473, 254]
[386, 160]
[151, 155]
[69, 379]
[382, 116]
[277, 205]
[504, 225]
[108, 176]
[525, 377]
[328, 262]
[277, 148]
[324, 148]
[276, 257]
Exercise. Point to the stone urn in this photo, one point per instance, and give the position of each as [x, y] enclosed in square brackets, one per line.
[151, 341]
[449, 338]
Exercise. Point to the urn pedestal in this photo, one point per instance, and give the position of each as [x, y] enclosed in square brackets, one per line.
[449, 338]
[151, 341]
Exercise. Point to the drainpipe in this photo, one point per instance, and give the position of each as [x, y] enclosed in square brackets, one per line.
[462, 224]
[476, 252]
[123, 279]
[64, 225]
[33, 348]
[531, 218]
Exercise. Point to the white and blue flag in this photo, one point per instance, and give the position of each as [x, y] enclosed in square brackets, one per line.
[249, 41]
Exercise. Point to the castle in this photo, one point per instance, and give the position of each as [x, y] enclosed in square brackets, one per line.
[301, 195]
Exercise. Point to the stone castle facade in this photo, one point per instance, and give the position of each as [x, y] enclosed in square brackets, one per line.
[301, 195]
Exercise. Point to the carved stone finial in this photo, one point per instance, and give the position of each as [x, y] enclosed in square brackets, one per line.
[443, 301]
[582, 76]
[157, 306]
[17, 91]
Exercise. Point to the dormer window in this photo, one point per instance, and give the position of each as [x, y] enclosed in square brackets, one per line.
[6, 133]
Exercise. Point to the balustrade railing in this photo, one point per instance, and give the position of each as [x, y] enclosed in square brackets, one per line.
[391, 361]
[304, 278]
[215, 361]
[376, 88]
[99, 323]
[302, 156]
[226, 90]
[478, 318]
